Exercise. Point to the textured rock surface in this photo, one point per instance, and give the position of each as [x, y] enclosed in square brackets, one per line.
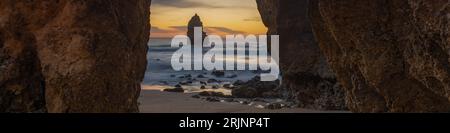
[390, 55]
[306, 75]
[85, 55]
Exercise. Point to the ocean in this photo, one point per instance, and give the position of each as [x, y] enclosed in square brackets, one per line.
[160, 72]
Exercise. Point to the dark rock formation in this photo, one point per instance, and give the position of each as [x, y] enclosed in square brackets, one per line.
[306, 76]
[390, 55]
[256, 88]
[72, 56]
[195, 22]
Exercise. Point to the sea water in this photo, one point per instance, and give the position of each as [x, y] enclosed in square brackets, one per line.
[159, 70]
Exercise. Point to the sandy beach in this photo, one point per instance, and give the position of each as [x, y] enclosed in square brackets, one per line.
[153, 100]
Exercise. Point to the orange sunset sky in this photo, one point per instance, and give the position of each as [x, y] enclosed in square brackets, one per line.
[220, 17]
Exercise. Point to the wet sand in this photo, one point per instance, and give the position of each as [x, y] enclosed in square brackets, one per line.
[153, 100]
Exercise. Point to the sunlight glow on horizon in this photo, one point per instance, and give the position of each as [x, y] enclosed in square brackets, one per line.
[170, 17]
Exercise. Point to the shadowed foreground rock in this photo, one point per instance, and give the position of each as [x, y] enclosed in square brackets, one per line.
[306, 76]
[391, 56]
[72, 55]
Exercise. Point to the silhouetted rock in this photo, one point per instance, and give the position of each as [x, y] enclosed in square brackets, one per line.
[195, 22]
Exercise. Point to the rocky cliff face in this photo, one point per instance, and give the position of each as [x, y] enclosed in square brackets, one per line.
[72, 55]
[306, 76]
[391, 56]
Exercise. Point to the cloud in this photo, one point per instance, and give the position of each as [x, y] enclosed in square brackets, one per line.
[222, 30]
[183, 4]
[184, 28]
[181, 30]
[257, 19]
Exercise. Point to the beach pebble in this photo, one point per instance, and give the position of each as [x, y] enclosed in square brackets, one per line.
[178, 86]
[274, 106]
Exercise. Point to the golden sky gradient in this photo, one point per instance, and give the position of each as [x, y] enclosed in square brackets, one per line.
[220, 17]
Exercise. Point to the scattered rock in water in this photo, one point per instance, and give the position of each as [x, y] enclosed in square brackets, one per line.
[218, 73]
[228, 86]
[202, 87]
[203, 83]
[211, 94]
[178, 86]
[215, 87]
[158, 59]
[213, 81]
[172, 75]
[176, 89]
[182, 83]
[164, 82]
[201, 76]
[195, 96]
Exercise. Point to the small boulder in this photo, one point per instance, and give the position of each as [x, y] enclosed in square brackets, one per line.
[213, 81]
[274, 106]
[218, 73]
[244, 92]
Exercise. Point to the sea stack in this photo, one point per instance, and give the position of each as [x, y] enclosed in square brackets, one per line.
[195, 22]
